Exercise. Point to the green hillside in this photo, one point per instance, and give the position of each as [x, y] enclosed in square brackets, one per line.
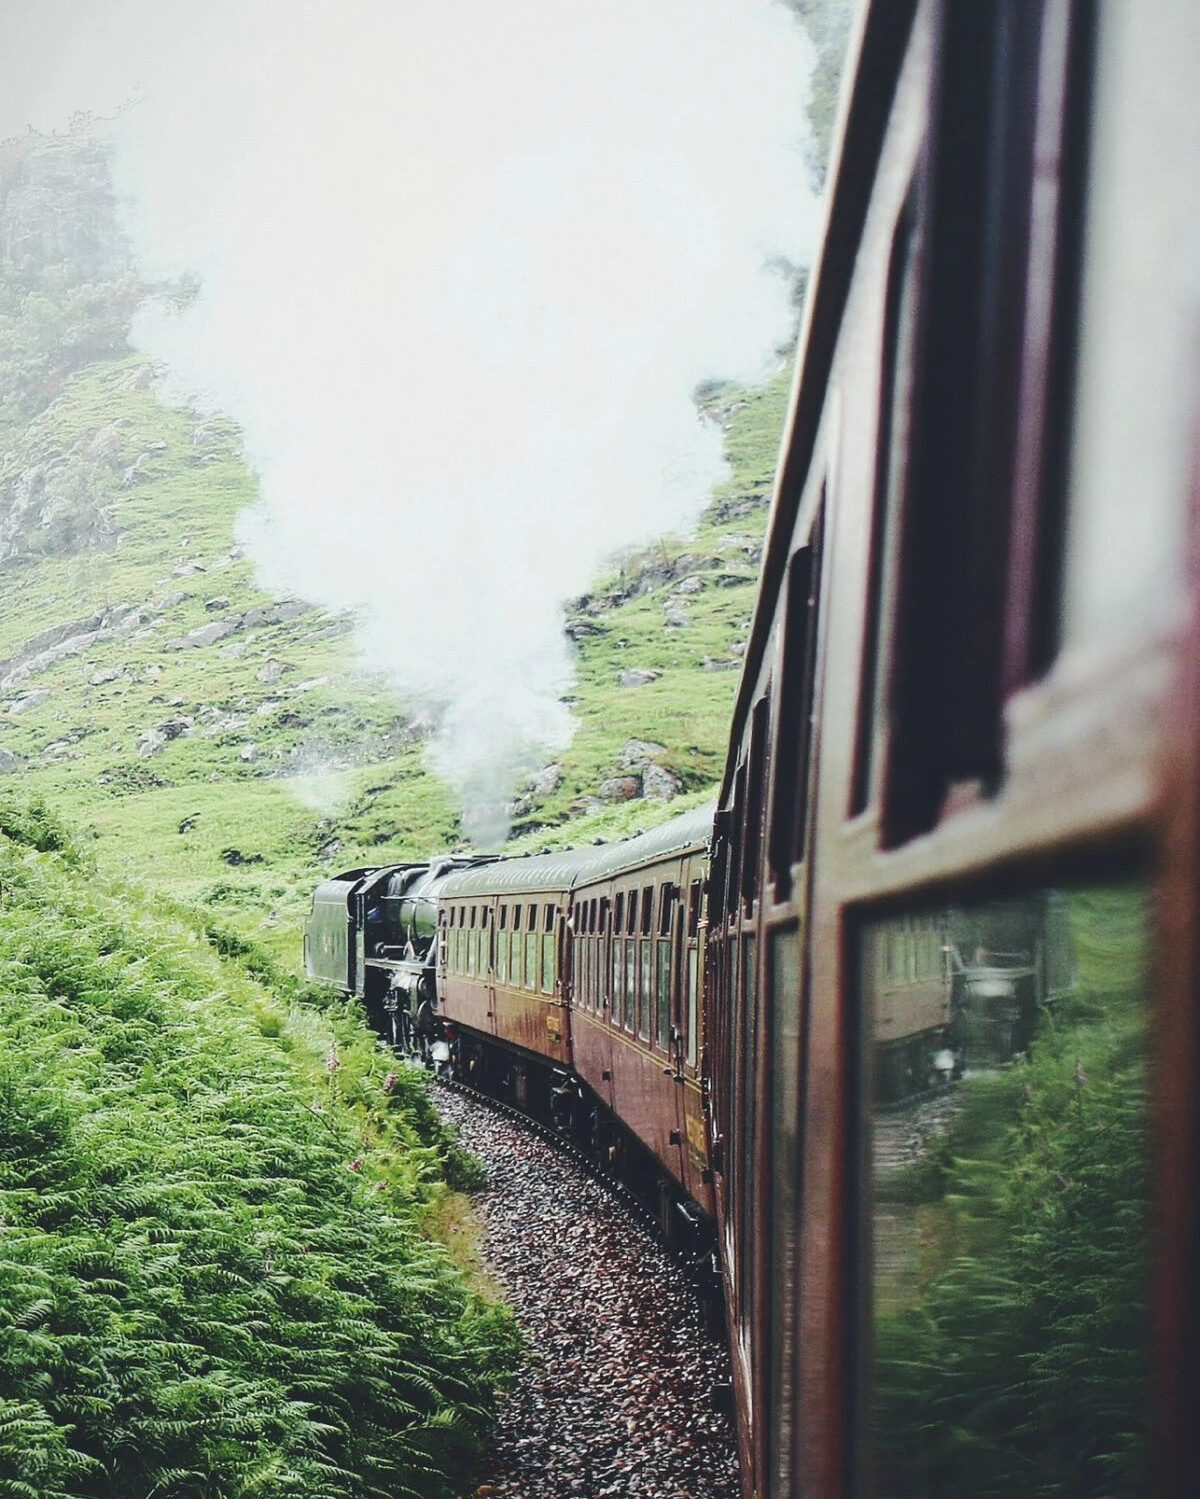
[222, 746]
[215, 1278]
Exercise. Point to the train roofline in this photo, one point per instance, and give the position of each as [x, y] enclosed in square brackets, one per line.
[574, 867]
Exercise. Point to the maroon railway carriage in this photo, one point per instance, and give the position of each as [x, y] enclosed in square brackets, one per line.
[588, 965]
[973, 685]
[500, 965]
[636, 1021]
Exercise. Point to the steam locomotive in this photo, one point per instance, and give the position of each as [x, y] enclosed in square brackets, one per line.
[912, 1018]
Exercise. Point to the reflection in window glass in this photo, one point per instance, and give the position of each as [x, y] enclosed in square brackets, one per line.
[1008, 1154]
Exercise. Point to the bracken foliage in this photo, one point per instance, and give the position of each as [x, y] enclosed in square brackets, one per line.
[213, 1279]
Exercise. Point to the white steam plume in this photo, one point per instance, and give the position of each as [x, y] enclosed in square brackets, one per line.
[462, 266]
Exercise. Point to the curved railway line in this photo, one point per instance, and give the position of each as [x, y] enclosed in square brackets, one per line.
[617, 1397]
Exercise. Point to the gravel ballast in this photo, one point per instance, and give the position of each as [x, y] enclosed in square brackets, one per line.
[616, 1402]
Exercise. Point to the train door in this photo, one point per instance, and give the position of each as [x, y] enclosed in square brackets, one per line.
[487, 958]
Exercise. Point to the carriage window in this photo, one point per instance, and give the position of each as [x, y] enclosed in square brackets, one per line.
[646, 993]
[503, 917]
[618, 970]
[755, 766]
[1007, 1150]
[502, 944]
[666, 908]
[631, 913]
[736, 822]
[895, 379]
[647, 909]
[789, 808]
[695, 895]
[662, 995]
[548, 965]
[618, 924]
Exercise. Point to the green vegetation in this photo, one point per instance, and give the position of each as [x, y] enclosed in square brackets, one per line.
[1016, 1362]
[213, 1275]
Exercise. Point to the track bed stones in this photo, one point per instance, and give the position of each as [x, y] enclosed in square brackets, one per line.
[617, 1400]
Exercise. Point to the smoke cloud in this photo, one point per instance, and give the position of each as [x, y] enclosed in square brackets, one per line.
[461, 267]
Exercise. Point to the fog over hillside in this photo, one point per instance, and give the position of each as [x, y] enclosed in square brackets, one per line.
[460, 271]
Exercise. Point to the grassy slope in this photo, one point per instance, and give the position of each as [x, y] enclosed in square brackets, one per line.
[250, 837]
[214, 1278]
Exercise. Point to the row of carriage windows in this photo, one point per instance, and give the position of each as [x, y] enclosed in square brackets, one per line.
[623, 954]
[516, 942]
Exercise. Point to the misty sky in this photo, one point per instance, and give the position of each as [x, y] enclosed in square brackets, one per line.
[462, 267]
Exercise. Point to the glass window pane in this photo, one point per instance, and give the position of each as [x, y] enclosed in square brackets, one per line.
[693, 1018]
[630, 982]
[1008, 1149]
[646, 994]
[662, 1024]
[617, 971]
[548, 962]
[531, 956]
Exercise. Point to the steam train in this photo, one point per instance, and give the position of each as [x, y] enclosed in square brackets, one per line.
[912, 1019]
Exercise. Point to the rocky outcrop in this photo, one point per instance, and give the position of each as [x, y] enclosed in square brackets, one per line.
[637, 676]
[153, 741]
[70, 639]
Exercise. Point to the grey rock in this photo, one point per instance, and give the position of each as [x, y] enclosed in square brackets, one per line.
[108, 674]
[620, 788]
[8, 761]
[249, 753]
[151, 742]
[547, 780]
[693, 583]
[638, 752]
[659, 784]
[214, 605]
[675, 616]
[235, 651]
[272, 670]
[719, 665]
[30, 700]
[210, 634]
[186, 568]
[172, 599]
[637, 676]
[276, 614]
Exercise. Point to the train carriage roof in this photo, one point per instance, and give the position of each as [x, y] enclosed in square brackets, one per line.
[560, 872]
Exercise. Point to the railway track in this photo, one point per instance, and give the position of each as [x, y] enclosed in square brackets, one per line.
[617, 1397]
